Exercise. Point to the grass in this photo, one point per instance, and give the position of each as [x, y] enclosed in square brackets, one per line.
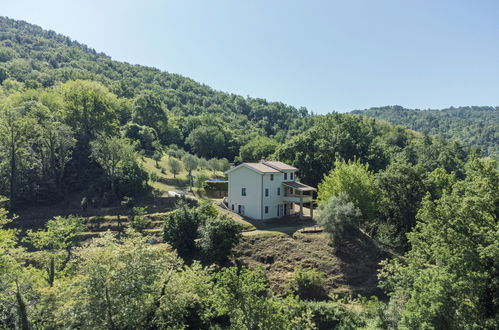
[350, 267]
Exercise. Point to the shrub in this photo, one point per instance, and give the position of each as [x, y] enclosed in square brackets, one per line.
[338, 216]
[139, 220]
[181, 228]
[218, 237]
[308, 284]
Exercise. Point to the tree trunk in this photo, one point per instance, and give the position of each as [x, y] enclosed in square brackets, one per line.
[21, 309]
[51, 271]
[12, 177]
[110, 321]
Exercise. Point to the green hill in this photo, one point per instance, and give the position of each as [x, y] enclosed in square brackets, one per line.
[44, 58]
[473, 126]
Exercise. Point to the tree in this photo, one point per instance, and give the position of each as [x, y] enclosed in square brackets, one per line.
[16, 135]
[112, 153]
[401, 189]
[223, 164]
[258, 148]
[356, 181]
[241, 296]
[213, 164]
[175, 166]
[448, 279]
[120, 292]
[218, 236]
[207, 141]
[57, 143]
[308, 284]
[89, 108]
[190, 163]
[332, 137]
[181, 228]
[158, 154]
[149, 111]
[338, 216]
[145, 135]
[58, 237]
[17, 281]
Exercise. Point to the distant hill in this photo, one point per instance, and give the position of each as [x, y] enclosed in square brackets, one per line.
[42, 58]
[473, 126]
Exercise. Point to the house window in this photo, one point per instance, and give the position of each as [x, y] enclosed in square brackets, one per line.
[266, 192]
[278, 191]
[291, 175]
[266, 209]
[285, 176]
[272, 177]
[243, 191]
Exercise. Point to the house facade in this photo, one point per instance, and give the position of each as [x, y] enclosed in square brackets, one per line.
[266, 190]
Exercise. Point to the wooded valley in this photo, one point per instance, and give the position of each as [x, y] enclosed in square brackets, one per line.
[90, 148]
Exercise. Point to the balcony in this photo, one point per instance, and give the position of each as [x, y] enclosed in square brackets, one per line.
[293, 198]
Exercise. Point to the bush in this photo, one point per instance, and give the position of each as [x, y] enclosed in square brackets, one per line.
[308, 284]
[181, 228]
[139, 220]
[338, 216]
[218, 237]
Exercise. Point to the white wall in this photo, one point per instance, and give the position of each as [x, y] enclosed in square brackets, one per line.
[252, 181]
[273, 199]
[255, 201]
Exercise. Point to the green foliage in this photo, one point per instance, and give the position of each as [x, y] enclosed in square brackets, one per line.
[308, 284]
[401, 189]
[145, 135]
[339, 216]
[16, 136]
[117, 293]
[139, 220]
[60, 233]
[181, 228]
[449, 275]
[207, 141]
[175, 166]
[116, 156]
[55, 242]
[258, 148]
[356, 181]
[333, 137]
[474, 126]
[241, 297]
[218, 236]
[89, 107]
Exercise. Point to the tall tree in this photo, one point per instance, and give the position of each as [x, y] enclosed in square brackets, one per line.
[112, 153]
[207, 141]
[55, 242]
[89, 108]
[16, 134]
[149, 111]
[356, 181]
[258, 148]
[449, 278]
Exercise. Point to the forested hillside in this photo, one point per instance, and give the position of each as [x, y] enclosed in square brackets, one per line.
[473, 126]
[91, 148]
[43, 58]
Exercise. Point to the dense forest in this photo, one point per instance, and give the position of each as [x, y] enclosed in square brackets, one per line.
[76, 125]
[473, 126]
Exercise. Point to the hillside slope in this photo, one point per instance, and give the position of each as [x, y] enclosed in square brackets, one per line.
[473, 126]
[42, 58]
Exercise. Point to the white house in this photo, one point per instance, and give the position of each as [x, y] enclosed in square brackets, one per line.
[267, 189]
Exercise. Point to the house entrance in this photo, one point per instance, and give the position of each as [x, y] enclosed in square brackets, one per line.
[240, 209]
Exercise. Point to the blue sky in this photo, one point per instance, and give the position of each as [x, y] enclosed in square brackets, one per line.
[325, 55]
